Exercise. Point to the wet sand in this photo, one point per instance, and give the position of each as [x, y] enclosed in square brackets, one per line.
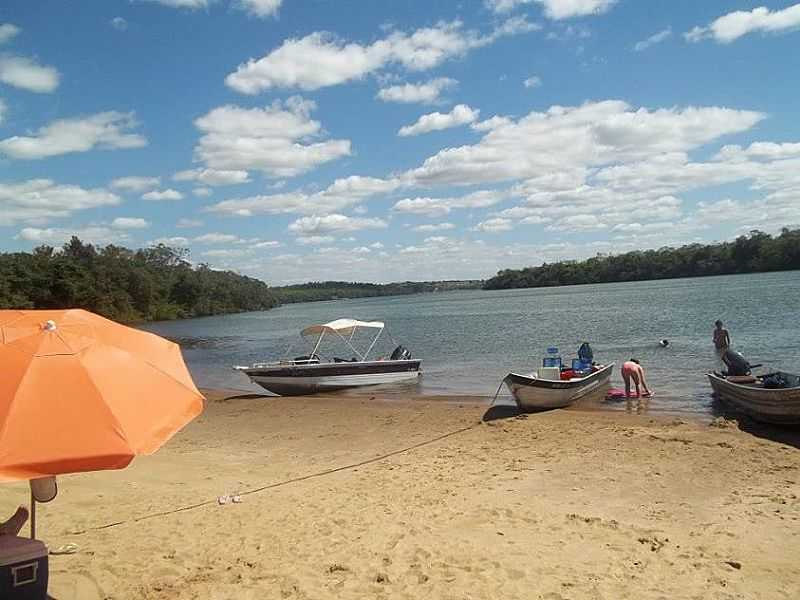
[371, 498]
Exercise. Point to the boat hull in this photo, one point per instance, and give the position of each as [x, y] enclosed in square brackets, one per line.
[534, 394]
[777, 406]
[301, 380]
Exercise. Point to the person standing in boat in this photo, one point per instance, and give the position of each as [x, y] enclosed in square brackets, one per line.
[721, 338]
[633, 371]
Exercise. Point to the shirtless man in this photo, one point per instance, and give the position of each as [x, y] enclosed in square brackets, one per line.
[721, 338]
[632, 370]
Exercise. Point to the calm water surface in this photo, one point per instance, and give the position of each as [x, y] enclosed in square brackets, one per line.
[469, 340]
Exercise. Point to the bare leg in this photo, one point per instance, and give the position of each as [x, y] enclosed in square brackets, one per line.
[647, 391]
[14, 525]
[635, 377]
[627, 377]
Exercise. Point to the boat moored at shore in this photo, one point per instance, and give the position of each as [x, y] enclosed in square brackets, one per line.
[533, 393]
[756, 398]
[309, 374]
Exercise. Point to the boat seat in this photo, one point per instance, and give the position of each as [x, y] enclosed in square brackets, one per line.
[741, 379]
[341, 360]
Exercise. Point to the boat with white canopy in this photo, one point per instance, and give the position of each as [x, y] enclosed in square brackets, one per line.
[310, 374]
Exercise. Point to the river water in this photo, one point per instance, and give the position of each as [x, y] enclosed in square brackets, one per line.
[469, 340]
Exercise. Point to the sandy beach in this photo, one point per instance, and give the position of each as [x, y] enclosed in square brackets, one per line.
[375, 498]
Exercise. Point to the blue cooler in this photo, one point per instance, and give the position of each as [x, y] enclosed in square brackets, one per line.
[552, 359]
[23, 569]
[580, 365]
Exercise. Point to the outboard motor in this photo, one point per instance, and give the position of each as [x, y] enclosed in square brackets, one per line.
[736, 363]
[400, 353]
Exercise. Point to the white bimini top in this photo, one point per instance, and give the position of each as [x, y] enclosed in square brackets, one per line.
[341, 326]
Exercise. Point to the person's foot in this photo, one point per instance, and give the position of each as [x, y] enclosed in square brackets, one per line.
[647, 394]
[15, 524]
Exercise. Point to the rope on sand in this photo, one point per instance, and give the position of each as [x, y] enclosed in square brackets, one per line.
[496, 394]
[285, 482]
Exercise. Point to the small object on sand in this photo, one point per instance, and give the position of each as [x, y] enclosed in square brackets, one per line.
[723, 423]
[66, 549]
[236, 499]
[224, 499]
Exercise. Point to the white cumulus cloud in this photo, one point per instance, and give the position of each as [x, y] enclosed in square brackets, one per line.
[654, 39]
[494, 225]
[434, 227]
[158, 195]
[212, 177]
[592, 134]
[93, 234]
[135, 183]
[107, 130]
[42, 200]
[428, 92]
[129, 223]
[259, 8]
[341, 194]
[8, 32]
[438, 207]
[320, 59]
[556, 9]
[173, 242]
[277, 140]
[315, 240]
[532, 82]
[27, 74]
[732, 26]
[334, 223]
[216, 238]
[460, 115]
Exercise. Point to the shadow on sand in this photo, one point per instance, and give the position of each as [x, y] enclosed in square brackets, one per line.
[783, 434]
[501, 411]
[248, 397]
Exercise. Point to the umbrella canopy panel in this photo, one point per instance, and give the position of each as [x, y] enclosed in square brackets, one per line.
[82, 393]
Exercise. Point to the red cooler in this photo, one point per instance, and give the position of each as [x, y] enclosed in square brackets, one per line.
[23, 569]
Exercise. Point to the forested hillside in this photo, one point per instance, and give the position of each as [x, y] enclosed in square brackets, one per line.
[756, 252]
[125, 285]
[336, 290]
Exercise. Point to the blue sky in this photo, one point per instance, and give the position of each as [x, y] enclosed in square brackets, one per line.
[381, 141]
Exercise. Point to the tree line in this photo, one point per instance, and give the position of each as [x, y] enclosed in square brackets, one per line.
[336, 290]
[155, 283]
[755, 252]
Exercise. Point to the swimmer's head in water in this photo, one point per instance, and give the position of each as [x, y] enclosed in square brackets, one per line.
[664, 343]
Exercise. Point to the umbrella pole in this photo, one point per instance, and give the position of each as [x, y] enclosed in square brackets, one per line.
[33, 516]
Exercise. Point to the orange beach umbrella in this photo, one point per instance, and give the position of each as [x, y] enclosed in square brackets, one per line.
[81, 393]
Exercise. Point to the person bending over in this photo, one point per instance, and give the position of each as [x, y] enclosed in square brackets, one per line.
[632, 370]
